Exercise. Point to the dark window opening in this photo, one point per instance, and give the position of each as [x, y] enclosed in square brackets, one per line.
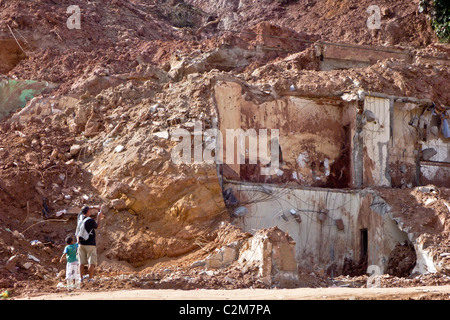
[364, 243]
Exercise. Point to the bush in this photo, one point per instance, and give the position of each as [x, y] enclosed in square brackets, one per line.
[439, 11]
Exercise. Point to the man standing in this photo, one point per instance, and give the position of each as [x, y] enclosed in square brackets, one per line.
[87, 249]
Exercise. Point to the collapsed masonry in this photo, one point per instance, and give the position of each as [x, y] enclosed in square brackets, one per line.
[336, 152]
[270, 253]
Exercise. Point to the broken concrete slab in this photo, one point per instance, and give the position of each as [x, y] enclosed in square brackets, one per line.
[272, 253]
[222, 257]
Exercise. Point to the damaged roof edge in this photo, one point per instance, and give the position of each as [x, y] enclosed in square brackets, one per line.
[362, 94]
[267, 186]
[346, 96]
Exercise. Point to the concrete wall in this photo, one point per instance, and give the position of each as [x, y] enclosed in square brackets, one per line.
[436, 169]
[341, 56]
[376, 139]
[314, 135]
[403, 146]
[347, 56]
[328, 142]
[327, 225]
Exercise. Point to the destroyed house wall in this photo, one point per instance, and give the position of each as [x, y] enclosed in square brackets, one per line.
[314, 136]
[376, 135]
[325, 224]
[403, 147]
[333, 151]
[373, 141]
[435, 147]
[399, 144]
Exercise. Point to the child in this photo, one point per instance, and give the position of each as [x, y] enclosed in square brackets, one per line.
[73, 266]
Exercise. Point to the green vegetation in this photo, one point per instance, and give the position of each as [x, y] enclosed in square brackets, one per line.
[439, 11]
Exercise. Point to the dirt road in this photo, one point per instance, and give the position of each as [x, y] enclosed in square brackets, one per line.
[338, 293]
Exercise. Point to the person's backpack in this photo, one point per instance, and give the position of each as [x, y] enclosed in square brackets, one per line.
[81, 229]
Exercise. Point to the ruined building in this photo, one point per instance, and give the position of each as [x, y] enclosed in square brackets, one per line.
[337, 151]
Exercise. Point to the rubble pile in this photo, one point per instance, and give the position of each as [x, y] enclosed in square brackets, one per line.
[423, 212]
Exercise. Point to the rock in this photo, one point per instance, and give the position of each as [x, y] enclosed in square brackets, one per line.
[198, 263]
[119, 204]
[153, 108]
[11, 263]
[221, 258]
[31, 257]
[119, 148]
[32, 158]
[370, 116]
[54, 155]
[162, 134]
[428, 153]
[116, 190]
[73, 210]
[75, 149]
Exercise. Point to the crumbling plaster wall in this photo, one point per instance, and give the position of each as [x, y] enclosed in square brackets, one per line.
[376, 139]
[403, 147]
[376, 149]
[388, 151]
[325, 224]
[435, 169]
[314, 135]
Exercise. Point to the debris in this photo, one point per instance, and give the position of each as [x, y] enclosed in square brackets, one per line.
[119, 149]
[30, 256]
[240, 212]
[370, 116]
[61, 212]
[36, 243]
[11, 263]
[221, 258]
[162, 134]
[75, 149]
[428, 153]
[119, 204]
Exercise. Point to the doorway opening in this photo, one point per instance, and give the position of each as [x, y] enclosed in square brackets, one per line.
[364, 243]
